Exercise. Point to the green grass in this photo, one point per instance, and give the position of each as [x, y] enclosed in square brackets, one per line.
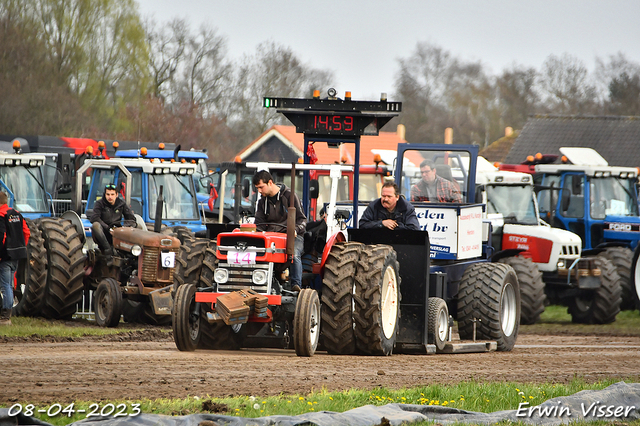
[26, 327]
[556, 320]
[472, 396]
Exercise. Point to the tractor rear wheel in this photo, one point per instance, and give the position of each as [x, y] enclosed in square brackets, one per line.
[182, 233]
[377, 300]
[532, 294]
[489, 295]
[306, 323]
[65, 259]
[337, 301]
[621, 257]
[186, 318]
[189, 262]
[31, 276]
[107, 303]
[438, 322]
[600, 306]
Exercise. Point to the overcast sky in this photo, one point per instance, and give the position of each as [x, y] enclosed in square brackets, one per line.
[362, 40]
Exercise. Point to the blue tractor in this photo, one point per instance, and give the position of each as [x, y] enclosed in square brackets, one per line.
[599, 203]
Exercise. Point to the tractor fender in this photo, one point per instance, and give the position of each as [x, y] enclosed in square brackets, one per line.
[338, 237]
[506, 253]
[601, 247]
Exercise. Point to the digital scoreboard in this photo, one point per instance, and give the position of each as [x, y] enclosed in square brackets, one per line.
[335, 118]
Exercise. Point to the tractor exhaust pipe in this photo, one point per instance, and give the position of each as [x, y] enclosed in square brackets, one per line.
[157, 224]
[291, 214]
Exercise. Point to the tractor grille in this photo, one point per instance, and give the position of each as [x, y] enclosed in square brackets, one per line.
[240, 277]
[571, 250]
[151, 271]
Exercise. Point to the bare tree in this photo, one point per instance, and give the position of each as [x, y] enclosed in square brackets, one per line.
[567, 87]
[273, 70]
[166, 52]
[619, 82]
[517, 95]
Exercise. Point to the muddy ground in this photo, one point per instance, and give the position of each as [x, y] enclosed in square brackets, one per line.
[146, 364]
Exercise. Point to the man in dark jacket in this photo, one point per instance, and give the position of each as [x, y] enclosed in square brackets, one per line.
[14, 236]
[390, 211]
[271, 215]
[107, 213]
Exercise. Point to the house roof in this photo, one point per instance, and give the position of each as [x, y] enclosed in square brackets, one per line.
[616, 138]
[369, 145]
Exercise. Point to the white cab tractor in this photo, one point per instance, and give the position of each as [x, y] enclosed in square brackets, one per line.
[547, 260]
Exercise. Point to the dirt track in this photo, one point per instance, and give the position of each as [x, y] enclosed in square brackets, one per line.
[95, 370]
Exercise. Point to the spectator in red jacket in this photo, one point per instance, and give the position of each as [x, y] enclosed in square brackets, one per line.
[14, 236]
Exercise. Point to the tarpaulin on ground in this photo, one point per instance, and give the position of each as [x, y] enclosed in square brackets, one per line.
[620, 401]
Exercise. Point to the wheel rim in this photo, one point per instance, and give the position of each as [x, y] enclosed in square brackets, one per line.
[509, 309]
[443, 325]
[389, 302]
[102, 306]
[314, 324]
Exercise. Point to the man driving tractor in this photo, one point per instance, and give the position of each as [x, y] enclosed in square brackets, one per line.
[107, 213]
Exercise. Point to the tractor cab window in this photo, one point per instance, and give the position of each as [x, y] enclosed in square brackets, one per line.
[612, 196]
[369, 187]
[100, 179]
[546, 196]
[26, 185]
[515, 202]
[435, 176]
[324, 189]
[178, 193]
[229, 192]
[574, 184]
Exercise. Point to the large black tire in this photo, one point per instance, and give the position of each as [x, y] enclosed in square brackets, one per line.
[182, 233]
[337, 302]
[31, 276]
[600, 306]
[532, 296]
[209, 263]
[438, 323]
[107, 303]
[141, 312]
[66, 262]
[306, 323]
[621, 257]
[489, 293]
[186, 318]
[377, 300]
[635, 275]
[189, 262]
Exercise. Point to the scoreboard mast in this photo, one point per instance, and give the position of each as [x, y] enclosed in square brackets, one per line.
[335, 121]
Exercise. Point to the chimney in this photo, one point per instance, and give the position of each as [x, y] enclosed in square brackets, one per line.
[448, 135]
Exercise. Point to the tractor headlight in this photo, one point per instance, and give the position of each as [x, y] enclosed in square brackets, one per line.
[136, 250]
[560, 264]
[221, 275]
[259, 277]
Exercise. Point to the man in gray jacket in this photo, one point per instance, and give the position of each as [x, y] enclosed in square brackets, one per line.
[272, 213]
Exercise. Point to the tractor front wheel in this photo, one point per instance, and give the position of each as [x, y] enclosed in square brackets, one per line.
[108, 303]
[489, 295]
[306, 323]
[438, 322]
[600, 306]
[186, 318]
